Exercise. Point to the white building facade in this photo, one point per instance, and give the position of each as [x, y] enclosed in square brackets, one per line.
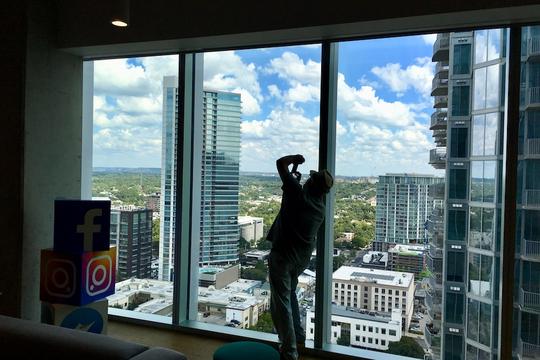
[374, 290]
[361, 327]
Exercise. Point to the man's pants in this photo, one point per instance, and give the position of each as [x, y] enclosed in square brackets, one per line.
[284, 304]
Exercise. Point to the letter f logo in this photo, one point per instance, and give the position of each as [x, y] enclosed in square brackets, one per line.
[89, 228]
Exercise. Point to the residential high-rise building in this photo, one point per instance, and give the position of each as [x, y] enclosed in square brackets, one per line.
[219, 230]
[527, 272]
[131, 232]
[402, 209]
[470, 102]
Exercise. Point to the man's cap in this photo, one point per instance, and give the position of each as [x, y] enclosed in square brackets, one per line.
[323, 179]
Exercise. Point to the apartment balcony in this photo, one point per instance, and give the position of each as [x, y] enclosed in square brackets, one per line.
[532, 99]
[439, 120]
[530, 250]
[436, 191]
[435, 252]
[529, 300]
[441, 69]
[532, 147]
[532, 197]
[433, 336]
[439, 86]
[533, 47]
[441, 48]
[435, 281]
[437, 158]
[528, 351]
[440, 101]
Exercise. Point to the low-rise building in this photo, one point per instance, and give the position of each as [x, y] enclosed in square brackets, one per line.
[361, 328]
[218, 276]
[375, 260]
[374, 290]
[408, 258]
[251, 228]
[251, 258]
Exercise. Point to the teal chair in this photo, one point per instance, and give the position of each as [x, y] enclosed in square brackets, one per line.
[246, 350]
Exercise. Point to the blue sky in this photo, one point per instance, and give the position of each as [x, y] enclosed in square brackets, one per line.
[383, 105]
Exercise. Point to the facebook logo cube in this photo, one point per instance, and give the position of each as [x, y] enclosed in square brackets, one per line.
[82, 225]
[77, 279]
[90, 318]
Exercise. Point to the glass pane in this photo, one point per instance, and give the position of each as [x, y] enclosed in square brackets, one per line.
[479, 88]
[259, 105]
[478, 124]
[133, 107]
[388, 202]
[492, 86]
[480, 46]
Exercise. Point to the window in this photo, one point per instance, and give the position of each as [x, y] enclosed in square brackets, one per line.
[480, 274]
[462, 59]
[457, 225]
[460, 100]
[458, 145]
[455, 308]
[127, 154]
[455, 266]
[372, 147]
[482, 228]
[457, 184]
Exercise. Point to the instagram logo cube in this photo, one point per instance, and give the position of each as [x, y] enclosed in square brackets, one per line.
[82, 225]
[77, 279]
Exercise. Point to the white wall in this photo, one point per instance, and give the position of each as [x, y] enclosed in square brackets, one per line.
[52, 145]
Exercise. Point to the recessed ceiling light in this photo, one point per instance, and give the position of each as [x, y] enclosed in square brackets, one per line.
[119, 23]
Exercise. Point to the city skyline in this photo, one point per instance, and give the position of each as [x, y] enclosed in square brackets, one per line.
[383, 103]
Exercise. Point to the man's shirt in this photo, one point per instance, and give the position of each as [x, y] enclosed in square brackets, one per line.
[293, 233]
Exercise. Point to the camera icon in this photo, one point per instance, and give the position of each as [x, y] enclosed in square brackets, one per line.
[98, 275]
[60, 278]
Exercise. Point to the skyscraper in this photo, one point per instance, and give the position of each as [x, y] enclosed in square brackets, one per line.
[402, 209]
[474, 95]
[219, 230]
[131, 232]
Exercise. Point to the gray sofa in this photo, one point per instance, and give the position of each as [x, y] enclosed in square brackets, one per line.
[24, 339]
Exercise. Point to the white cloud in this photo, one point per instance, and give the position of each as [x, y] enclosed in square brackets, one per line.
[429, 39]
[290, 67]
[417, 76]
[226, 71]
[285, 131]
[363, 105]
[274, 91]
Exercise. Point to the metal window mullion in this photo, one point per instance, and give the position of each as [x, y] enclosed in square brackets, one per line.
[327, 152]
[509, 187]
[185, 268]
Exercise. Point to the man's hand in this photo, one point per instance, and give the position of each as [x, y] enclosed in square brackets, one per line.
[298, 159]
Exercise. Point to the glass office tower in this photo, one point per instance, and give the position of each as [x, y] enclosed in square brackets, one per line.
[219, 230]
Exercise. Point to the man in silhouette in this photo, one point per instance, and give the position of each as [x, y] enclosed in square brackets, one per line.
[293, 236]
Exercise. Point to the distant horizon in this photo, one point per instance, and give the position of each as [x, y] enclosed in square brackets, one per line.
[132, 169]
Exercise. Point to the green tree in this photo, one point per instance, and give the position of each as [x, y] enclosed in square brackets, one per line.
[259, 272]
[339, 261]
[155, 230]
[264, 324]
[407, 346]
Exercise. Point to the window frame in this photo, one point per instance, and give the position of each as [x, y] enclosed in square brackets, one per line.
[183, 308]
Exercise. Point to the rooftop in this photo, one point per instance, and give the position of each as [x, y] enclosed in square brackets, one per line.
[381, 277]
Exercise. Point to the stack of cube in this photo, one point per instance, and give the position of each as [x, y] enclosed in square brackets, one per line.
[79, 272]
